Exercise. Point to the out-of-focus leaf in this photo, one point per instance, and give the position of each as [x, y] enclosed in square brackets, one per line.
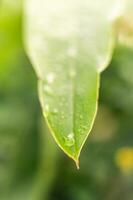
[16, 128]
[125, 25]
[25, 172]
[120, 93]
[70, 43]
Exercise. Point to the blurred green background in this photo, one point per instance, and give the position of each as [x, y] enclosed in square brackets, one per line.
[32, 167]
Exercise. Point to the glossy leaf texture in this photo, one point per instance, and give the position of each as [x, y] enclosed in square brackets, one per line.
[69, 44]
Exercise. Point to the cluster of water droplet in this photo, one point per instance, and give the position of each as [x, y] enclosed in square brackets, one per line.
[48, 90]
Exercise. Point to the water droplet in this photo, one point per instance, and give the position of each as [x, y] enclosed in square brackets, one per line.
[50, 78]
[55, 111]
[81, 131]
[84, 127]
[69, 140]
[47, 89]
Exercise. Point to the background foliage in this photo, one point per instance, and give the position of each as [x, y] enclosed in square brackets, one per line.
[33, 169]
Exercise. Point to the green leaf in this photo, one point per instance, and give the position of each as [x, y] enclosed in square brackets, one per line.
[70, 43]
[69, 105]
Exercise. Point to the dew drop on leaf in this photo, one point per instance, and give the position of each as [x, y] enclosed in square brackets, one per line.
[47, 89]
[55, 111]
[69, 140]
[50, 78]
[84, 127]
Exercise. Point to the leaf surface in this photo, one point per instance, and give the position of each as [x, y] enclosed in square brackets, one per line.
[70, 43]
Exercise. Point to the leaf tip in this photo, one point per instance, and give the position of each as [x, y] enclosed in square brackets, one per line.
[77, 164]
